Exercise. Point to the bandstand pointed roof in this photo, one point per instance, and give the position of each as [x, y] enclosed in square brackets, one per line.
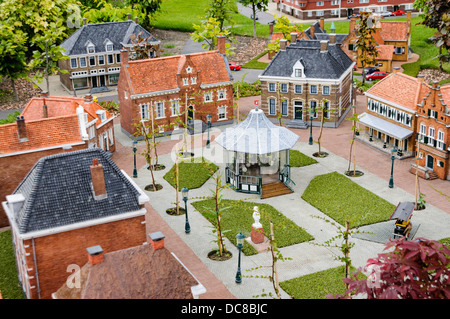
[257, 135]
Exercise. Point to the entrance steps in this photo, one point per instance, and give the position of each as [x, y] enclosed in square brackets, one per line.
[432, 175]
[275, 189]
[297, 124]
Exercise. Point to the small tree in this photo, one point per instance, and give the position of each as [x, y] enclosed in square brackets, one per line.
[222, 10]
[355, 119]
[284, 26]
[323, 107]
[365, 43]
[148, 8]
[261, 5]
[416, 269]
[207, 33]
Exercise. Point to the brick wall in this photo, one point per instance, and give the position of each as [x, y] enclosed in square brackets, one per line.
[55, 253]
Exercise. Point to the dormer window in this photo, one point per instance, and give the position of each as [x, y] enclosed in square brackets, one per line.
[109, 47]
[298, 70]
[90, 48]
[101, 114]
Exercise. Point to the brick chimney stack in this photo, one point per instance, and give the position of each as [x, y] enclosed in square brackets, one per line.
[88, 99]
[156, 240]
[98, 180]
[322, 24]
[45, 110]
[124, 57]
[221, 44]
[323, 46]
[293, 37]
[311, 31]
[95, 254]
[21, 129]
[283, 44]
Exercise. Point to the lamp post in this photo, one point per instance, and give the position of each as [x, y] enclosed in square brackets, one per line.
[240, 243]
[208, 120]
[134, 152]
[391, 180]
[184, 192]
[310, 128]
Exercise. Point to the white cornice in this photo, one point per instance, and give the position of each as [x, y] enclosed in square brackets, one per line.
[403, 108]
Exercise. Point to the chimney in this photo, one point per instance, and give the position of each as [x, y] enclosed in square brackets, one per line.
[351, 25]
[420, 78]
[44, 94]
[84, 21]
[21, 129]
[88, 99]
[293, 37]
[221, 44]
[124, 57]
[129, 16]
[283, 43]
[95, 255]
[408, 21]
[270, 28]
[323, 46]
[396, 69]
[332, 38]
[98, 180]
[157, 240]
[136, 20]
[15, 203]
[322, 24]
[311, 31]
[44, 110]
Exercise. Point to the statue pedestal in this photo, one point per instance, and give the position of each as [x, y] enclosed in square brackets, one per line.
[257, 235]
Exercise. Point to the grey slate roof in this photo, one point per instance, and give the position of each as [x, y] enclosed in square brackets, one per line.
[320, 65]
[57, 191]
[98, 33]
[257, 135]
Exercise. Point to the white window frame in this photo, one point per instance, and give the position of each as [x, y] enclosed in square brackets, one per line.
[271, 84]
[298, 91]
[222, 113]
[160, 110]
[208, 97]
[284, 88]
[76, 63]
[83, 58]
[274, 106]
[320, 3]
[109, 43]
[144, 111]
[440, 139]
[89, 47]
[98, 59]
[175, 107]
[311, 89]
[185, 81]
[107, 58]
[110, 136]
[92, 58]
[323, 90]
[193, 80]
[221, 95]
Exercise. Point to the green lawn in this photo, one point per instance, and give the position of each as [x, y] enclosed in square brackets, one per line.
[316, 285]
[9, 283]
[193, 173]
[181, 15]
[298, 159]
[239, 218]
[342, 199]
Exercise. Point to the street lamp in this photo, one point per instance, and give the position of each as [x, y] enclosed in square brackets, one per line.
[208, 120]
[391, 180]
[134, 152]
[240, 243]
[310, 128]
[184, 193]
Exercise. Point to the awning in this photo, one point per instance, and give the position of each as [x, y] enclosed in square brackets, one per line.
[384, 126]
[257, 135]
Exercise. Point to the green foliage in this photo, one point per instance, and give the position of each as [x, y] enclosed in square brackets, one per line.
[207, 33]
[344, 200]
[147, 8]
[107, 12]
[283, 25]
[222, 11]
[260, 5]
[239, 218]
[317, 285]
[247, 89]
[255, 64]
[11, 118]
[365, 43]
[193, 173]
[110, 106]
[9, 283]
[298, 159]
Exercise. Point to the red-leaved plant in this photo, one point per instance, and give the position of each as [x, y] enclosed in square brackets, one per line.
[418, 269]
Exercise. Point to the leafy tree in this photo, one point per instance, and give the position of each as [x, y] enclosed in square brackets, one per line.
[149, 8]
[12, 54]
[45, 60]
[283, 25]
[416, 269]
[108, 12]
[260, 5]
[33, 17]
[142, 46]
[437, 16]
[355, 119]
[207, 33]
[365, 43]
[222, 10]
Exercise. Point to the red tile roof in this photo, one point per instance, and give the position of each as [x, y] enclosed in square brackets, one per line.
[394, 30]
[400, 89]
[445, 91]
[160, 74]
[40, 133]
[385, 52]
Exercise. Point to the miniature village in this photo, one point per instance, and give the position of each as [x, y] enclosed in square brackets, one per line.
[304, 158]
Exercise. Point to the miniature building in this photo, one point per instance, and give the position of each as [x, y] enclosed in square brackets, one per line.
[309, 9]
[66, 203]
[301, 76]
[46, 126]
[143, 272]
[176, 88]
[94, 54]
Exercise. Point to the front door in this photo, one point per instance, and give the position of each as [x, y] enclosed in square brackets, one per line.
[190, 113]
[298, 113]
[94, 81]
[430, 161]
[102, 80]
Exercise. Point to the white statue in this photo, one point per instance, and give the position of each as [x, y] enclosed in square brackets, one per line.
[256, 217]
